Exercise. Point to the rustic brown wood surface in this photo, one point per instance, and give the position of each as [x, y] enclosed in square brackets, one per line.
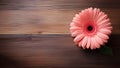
[35, 34]
[50, 16]
[53, 51]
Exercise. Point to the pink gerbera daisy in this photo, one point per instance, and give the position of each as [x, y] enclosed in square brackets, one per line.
[90, 28]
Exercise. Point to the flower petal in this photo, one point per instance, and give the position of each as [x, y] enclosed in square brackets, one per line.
[105, 25]
[84, 42]
[102, 18]
[99, 40]
[99, 15]
[80, 43]
[96, 44]
[75, 33]
[109, 28]
[88, 42]
[76, 19]
[103, 36]
[79, 37]
[94, 12]
[75, 28]
[105, 31]
[104, 21]
[92, 43]
[72, 24]
[91, 12]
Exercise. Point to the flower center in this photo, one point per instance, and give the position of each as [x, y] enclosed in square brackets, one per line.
[90, 28]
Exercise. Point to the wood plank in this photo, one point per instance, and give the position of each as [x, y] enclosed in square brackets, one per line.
[53, 51]
[45, 21]
[50, 16]
[57, 4]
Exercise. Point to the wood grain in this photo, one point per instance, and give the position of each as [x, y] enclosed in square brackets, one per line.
[50, 16]
[35, 34]
[53, 51]
[57, 4]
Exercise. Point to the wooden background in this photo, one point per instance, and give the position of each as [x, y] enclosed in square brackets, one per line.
[50, 16]
[35, 34]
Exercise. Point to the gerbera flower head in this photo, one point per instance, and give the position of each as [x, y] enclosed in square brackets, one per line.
[90, 28]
